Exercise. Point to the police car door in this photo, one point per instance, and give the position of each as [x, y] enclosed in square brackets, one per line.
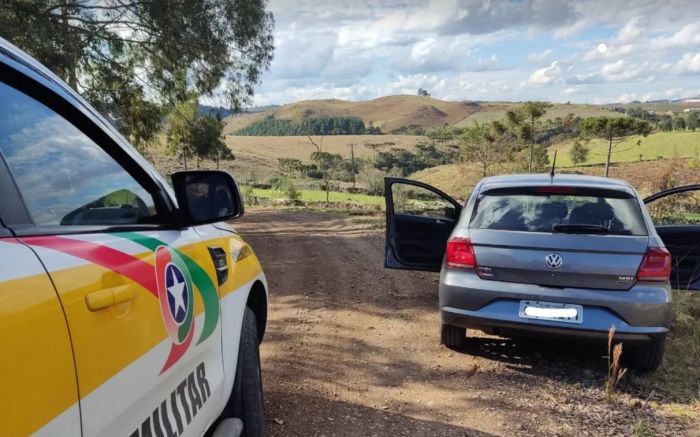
[140, 295]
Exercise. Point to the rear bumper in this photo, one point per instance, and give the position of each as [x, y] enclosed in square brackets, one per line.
[642, 313]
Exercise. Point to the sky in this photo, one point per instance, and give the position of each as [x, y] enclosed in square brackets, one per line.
[594, 51]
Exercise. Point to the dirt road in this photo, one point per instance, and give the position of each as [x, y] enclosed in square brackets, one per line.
[352, 350]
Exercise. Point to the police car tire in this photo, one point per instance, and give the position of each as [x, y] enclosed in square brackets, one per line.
[246, 401]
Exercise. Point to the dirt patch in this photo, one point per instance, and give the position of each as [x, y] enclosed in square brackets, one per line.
[352, 350]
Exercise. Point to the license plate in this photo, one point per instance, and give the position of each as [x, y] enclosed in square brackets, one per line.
[558, 312]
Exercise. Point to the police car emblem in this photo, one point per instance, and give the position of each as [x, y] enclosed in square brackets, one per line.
[177, 293]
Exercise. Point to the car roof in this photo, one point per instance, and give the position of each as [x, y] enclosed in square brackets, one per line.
[526, 180]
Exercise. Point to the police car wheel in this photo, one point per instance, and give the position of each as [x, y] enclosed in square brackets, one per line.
[246, 402]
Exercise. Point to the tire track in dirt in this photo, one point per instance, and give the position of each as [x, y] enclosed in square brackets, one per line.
[352, 350]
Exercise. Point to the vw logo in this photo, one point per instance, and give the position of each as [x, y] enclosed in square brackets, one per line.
[553, 260]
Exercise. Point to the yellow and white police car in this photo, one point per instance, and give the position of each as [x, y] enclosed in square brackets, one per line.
[127, 307]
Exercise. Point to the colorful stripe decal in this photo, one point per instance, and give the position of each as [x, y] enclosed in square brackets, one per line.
[127, 265]
[143, 274]
[207, 289]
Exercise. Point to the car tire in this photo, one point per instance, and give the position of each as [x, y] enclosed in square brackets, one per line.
[246, 401]
[452, 336]
[644, 357]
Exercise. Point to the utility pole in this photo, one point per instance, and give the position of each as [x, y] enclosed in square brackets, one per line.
[352, 160]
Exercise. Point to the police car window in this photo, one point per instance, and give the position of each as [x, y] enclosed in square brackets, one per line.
[64, 177]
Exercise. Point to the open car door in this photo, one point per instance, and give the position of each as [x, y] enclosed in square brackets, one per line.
[419, 220]
[676, 216]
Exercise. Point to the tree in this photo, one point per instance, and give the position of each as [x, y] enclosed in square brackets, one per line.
[327, 163]
[136, 59]
[614, 130]
[679, 123]
[666, 124]
[290, 166]
[423, 93]
[487, 144]
[578, 153]
[207, 138]
[693, 121]
[532, 112]
[191, 134]
[178, 131]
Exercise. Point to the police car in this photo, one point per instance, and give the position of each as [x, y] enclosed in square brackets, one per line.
[127, 306]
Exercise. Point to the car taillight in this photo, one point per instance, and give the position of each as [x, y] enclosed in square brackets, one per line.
[656, 265]
[460, 253]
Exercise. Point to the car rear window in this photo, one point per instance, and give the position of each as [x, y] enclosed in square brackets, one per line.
[542, 209]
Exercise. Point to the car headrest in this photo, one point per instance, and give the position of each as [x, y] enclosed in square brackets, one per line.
[554, 210]
[592, 213]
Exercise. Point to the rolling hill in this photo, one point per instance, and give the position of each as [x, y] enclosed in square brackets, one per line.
[388, 113]
[393, 112]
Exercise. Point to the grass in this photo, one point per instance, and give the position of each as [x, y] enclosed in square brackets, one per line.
[659, 144]
[317, 196]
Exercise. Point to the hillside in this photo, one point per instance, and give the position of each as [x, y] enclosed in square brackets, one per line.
[388, 113]
[393, 112]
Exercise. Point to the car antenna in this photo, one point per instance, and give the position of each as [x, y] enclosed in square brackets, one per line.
[554, 163]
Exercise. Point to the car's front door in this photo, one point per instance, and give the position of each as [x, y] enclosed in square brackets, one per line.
[676, 216]
[140, 295]
[419, 220]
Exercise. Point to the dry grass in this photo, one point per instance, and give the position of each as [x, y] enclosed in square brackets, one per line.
[615, 370]
[298, 147]
[647, 177]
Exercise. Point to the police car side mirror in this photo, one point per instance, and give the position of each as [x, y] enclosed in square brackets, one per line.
[207, 196]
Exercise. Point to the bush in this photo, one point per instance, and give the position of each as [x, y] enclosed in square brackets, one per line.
[291, 191]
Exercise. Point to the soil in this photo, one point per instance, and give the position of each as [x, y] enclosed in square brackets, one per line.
[352, 349]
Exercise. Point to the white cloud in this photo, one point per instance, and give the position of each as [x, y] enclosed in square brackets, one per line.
[690, 63]
[547, 75]
[688, 35]
[481, 49]
[537, 57]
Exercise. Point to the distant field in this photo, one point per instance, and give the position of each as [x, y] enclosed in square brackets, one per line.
[660, 144]
[271, 148]
[497, 111]
[319, 196]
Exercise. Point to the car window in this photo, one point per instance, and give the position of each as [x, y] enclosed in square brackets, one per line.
[419, 201]
[541, 212]
[64, 177]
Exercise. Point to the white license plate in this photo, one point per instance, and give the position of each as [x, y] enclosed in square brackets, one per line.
[558, 312]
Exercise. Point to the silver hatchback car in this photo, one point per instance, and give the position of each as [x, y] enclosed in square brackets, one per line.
[538, 254]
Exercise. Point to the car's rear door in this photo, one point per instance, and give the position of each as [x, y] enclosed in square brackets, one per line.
[676, 216]
[139, 293]
[419, 220]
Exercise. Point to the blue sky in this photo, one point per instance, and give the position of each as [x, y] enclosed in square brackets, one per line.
[595, 51]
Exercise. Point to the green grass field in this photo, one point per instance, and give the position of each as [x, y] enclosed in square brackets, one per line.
[656, 145]
[317, 196]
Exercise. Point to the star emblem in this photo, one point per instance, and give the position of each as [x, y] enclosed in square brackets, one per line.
[177, 291]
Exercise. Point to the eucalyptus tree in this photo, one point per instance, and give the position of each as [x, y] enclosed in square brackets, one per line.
[135, 59]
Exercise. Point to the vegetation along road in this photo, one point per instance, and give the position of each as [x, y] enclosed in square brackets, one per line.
[352, 350]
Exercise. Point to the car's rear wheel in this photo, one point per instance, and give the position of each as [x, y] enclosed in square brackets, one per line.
[246, 402]
[644, 357]
[453, 336]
